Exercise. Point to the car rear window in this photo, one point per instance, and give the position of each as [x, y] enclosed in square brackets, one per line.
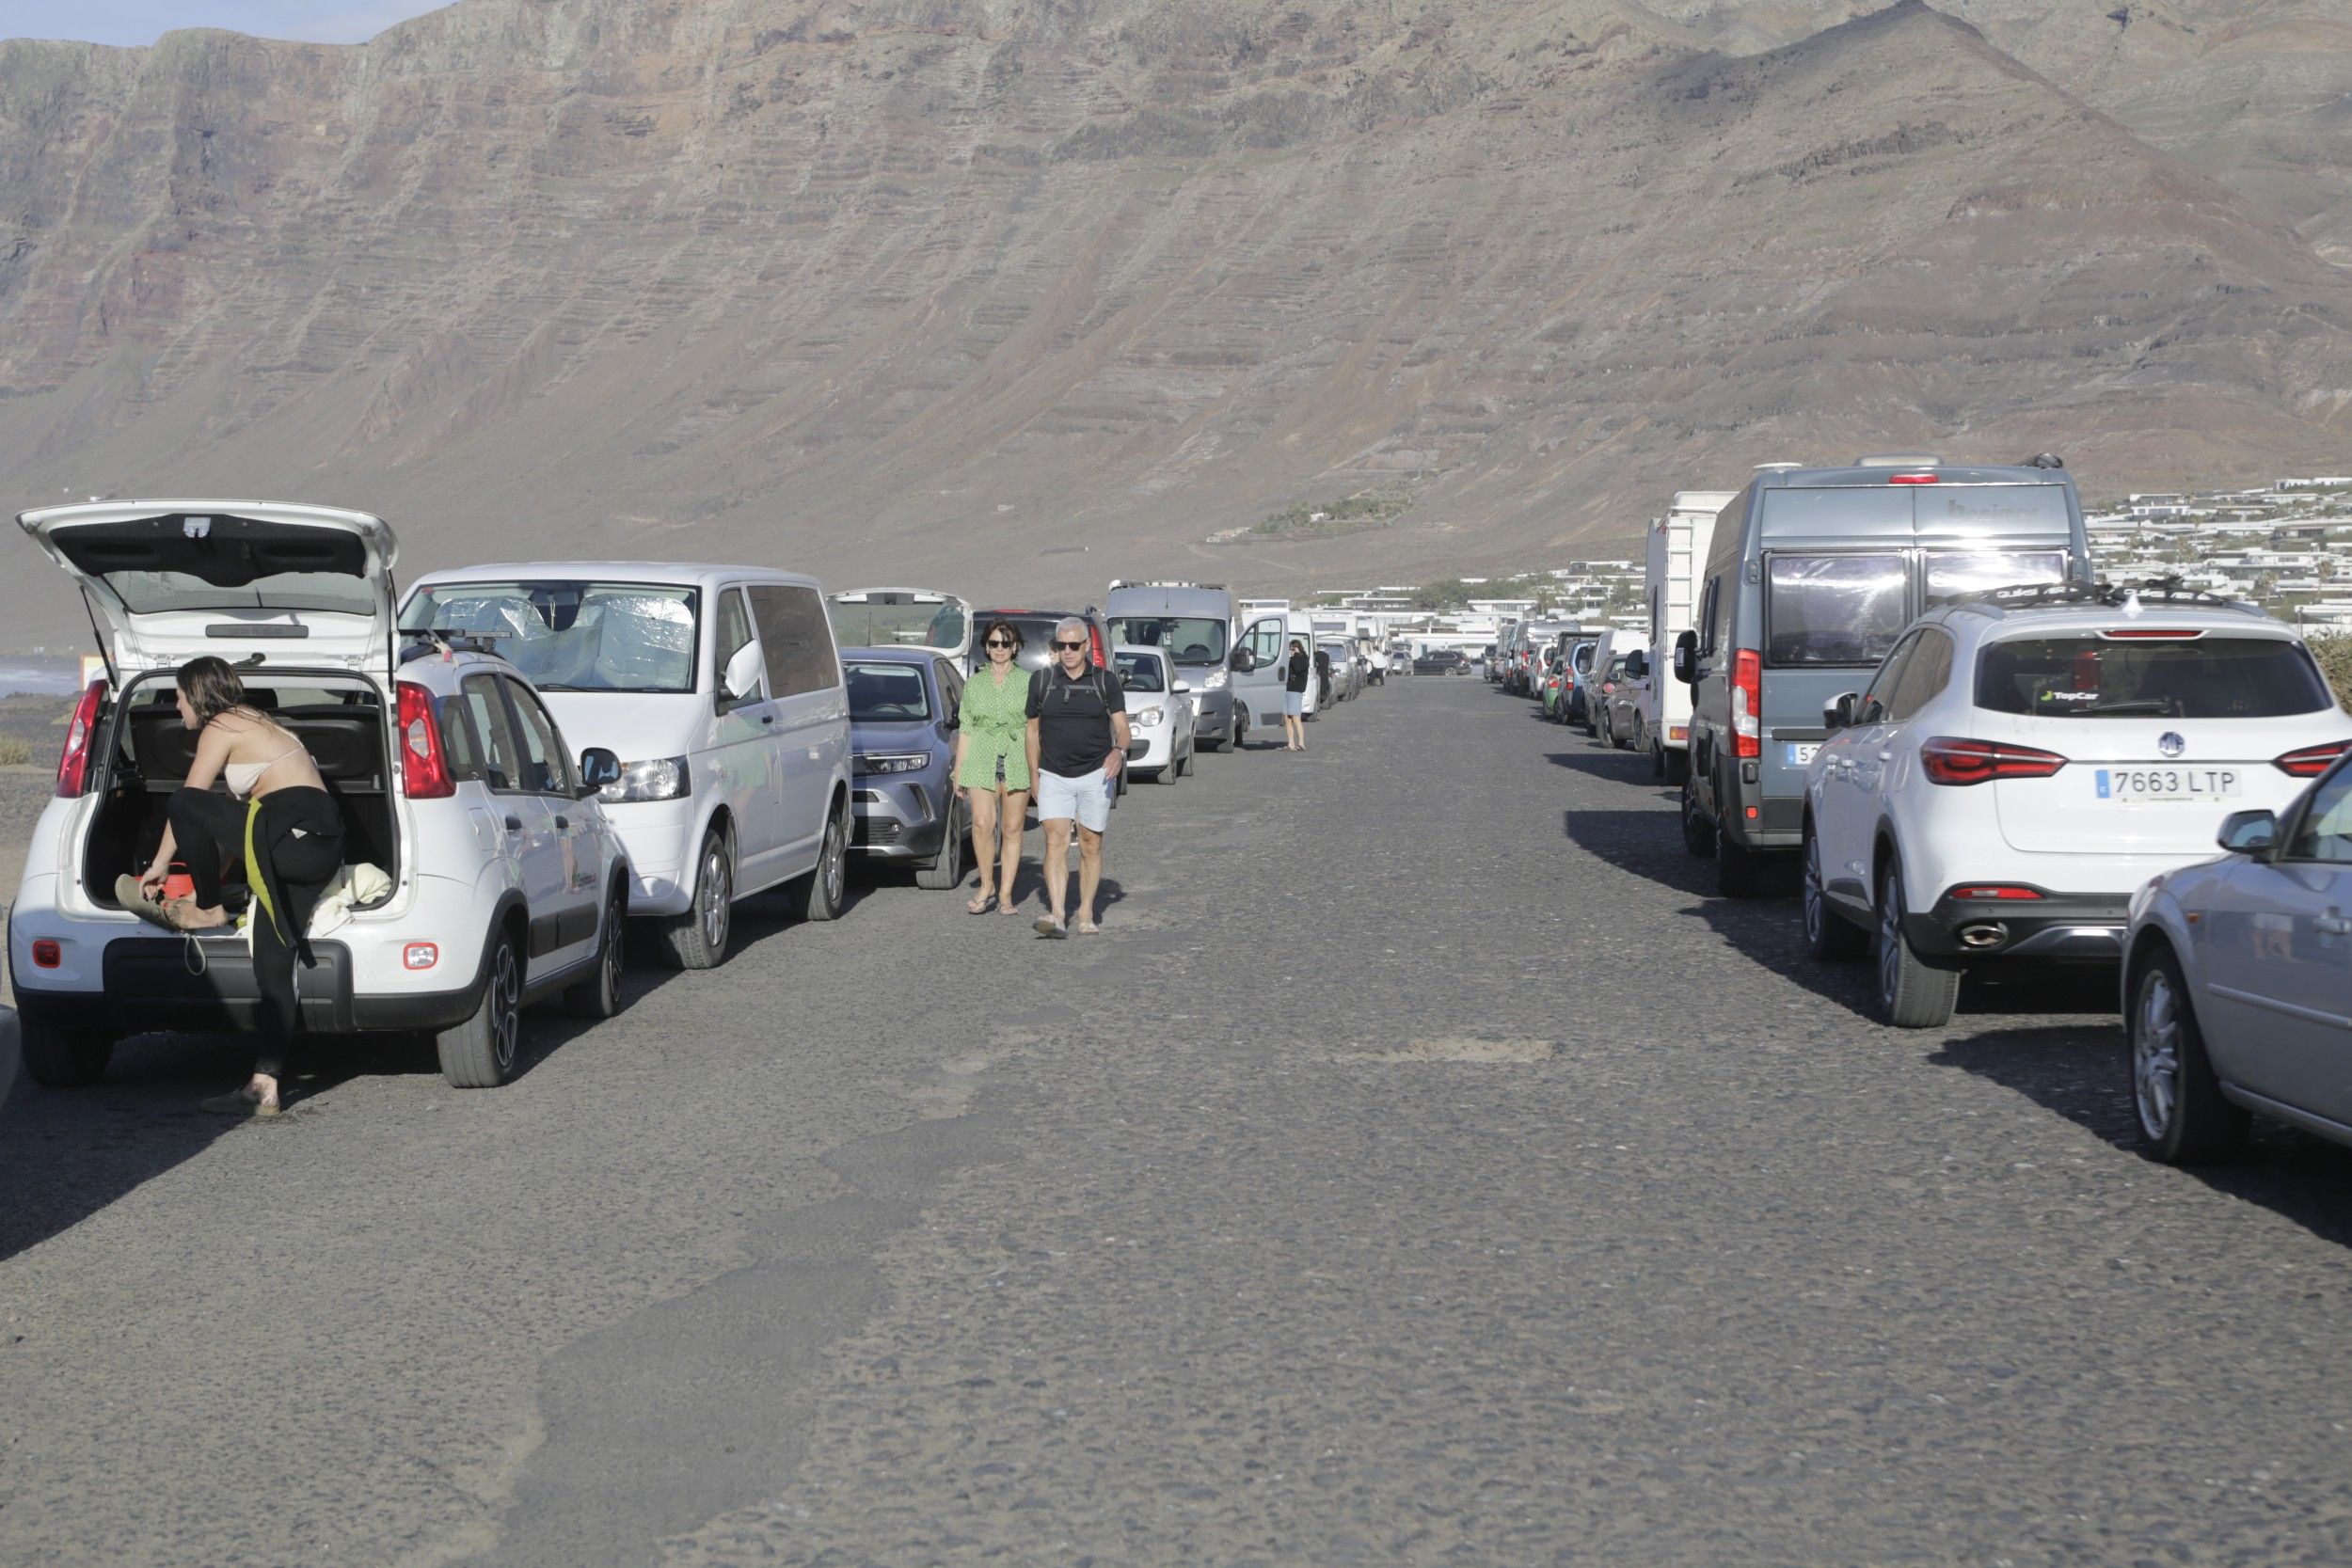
[883, 693]
[1139, 672]
[2083, 676]
[1834, 609]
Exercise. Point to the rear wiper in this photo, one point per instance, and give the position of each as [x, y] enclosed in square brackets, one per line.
[2135, 704]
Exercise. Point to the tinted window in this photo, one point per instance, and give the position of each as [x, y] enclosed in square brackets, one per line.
[1187, 639]
[475, 734]
[1834, 609]
[1924, 674]
[2325, 834]
[1709, 616]
[734, 629]
[2083, 676]
[883, 693]
[1880, 692]
[546, 770]
[795, 637]
[572, 636]
[1139, 672]
[1955, 576]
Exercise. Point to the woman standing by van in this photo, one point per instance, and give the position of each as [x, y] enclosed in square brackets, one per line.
[1294, 681]
[287, 834]
[993, 764]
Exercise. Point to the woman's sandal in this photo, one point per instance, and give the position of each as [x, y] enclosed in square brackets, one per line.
[981, 905]
[131, 896]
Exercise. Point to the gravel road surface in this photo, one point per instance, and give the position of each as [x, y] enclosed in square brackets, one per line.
[1422, 1167]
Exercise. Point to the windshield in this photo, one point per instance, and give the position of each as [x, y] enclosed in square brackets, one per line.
[874, 625]
[1957, 577]
[2083, 676]
[1834, 609]
[1187, 639]
[569, 635]
[1139, 672]
[152, 593]
[883, 693]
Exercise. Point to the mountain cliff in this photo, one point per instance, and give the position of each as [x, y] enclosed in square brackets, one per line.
[1012, 296]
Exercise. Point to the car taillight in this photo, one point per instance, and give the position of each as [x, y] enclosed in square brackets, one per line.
[1094, 644]
[2004, 892]
[1948, 760]
[47, 953]
[2308, 763]
[424, 770]
[2146, 634]
[74, 763]
[1913, 479]
[1747, 702]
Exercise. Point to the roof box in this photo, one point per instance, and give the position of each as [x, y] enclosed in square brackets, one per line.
[1897, 460]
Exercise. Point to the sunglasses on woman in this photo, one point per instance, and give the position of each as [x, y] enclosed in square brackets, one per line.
[1069, 647]
[1000, 641]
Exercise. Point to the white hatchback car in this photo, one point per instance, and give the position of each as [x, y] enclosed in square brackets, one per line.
[506, 883]
[2021, 763]
[720, 690]
[1162, 718]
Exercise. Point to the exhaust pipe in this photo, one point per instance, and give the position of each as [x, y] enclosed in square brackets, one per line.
[1981, 934]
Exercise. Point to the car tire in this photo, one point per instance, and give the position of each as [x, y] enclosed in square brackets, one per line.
[1831, 936]
[1657, 762]
[57, 1057]
[1698, 834]
[481, 1052]
[1241, 727]
[1678, 765]
[1912, 993]
[824, 891]
[698, 937]
[1739, 870]
[946, 869]
[2176, 1096]
[599, 995]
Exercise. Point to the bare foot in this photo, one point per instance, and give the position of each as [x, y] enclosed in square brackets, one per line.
[184, 914]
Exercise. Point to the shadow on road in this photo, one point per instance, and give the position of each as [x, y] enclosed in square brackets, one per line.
[2078, 1072]
[1601, 762]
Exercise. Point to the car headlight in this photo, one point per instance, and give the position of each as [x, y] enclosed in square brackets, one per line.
[1213, 681]
[655, 778]
[902, 762]
[1148, 715]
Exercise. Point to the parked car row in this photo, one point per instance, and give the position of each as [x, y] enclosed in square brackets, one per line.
[1905, 686]
[743, 731]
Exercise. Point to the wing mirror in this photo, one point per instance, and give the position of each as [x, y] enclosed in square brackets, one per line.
[1181, 688]
[1244, 661]
[1687, 658]
[2249, 832]
[741, 680]
[1839, 714]
[1637, 666]
[598, 769]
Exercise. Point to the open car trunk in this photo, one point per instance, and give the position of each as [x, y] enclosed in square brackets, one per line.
[340, 721]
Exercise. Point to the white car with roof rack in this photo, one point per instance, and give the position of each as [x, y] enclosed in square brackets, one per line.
[506, 883]
[2023, 761]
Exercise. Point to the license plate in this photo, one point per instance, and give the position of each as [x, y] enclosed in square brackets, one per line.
[1798, 752]
[2168, 783]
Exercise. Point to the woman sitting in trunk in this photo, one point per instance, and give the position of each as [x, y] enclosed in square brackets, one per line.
[287, 837]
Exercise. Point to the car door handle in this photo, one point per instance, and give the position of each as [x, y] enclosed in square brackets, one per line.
[562, 824]
[767, 718]
[1887, 757]
[2334, 924]
[514, 824]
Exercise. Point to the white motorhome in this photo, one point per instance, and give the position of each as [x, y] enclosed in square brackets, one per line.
[1678, 543]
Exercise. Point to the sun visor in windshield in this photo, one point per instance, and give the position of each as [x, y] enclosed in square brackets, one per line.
[225, 551]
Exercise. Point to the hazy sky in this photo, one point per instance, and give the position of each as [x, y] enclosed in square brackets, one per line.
[144, 20]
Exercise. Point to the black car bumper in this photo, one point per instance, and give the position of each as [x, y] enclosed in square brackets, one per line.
[2083, 927]
[206, 986]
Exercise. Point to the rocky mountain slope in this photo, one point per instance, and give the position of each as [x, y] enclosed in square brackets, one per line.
[1010, 296]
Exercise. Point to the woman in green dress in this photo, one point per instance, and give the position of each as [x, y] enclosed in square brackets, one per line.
[993, 763]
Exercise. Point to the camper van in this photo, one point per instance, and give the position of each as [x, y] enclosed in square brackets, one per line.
[1810, 578]
[1678, 543]
[1193, 623]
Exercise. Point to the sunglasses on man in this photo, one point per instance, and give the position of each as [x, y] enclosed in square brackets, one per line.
[1068, 648]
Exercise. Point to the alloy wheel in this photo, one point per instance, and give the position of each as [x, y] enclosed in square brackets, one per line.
[2157, 1053]
[1890, 940]
[1816, 904]
[834, 864]
[615, 917]
[506, 1009]
[718, 898]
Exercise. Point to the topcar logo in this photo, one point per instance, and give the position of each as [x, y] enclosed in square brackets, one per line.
[2170, 743]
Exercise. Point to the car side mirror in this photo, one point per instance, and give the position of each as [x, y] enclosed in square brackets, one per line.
[598, 769]
[1687, 658]
[1637, 666]
[1839, 714]
[1244, 661]
[1181, 688]
[2249, 832]
[741, 679]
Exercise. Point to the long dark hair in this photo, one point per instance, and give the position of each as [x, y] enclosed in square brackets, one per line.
[211, 687]
[1011, 630]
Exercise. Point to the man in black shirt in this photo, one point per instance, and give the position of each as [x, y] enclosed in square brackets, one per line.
[1077, 747]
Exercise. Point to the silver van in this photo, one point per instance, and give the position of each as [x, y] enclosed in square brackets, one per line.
[1193, 623]
[1812, 574]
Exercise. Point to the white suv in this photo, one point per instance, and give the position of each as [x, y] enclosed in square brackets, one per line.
[2020, 763]
[505, 882]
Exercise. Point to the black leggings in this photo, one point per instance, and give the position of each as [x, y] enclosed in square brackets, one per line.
[299, 839]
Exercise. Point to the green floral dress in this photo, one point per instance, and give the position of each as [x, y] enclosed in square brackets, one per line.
[996, 722]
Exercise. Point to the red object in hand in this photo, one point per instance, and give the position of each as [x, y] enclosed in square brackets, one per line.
[179, 884]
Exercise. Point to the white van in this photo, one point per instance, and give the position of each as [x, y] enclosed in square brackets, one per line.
[720, 689]
[1260, 657]
[1678, 543]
